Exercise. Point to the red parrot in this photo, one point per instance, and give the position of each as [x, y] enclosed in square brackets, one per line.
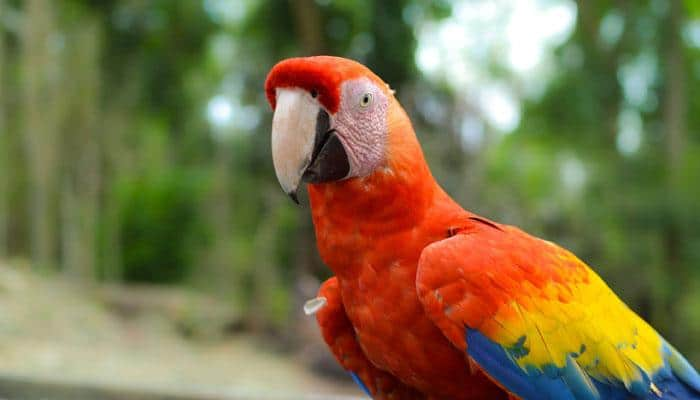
[430, 301]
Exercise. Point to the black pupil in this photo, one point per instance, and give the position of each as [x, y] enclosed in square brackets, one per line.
[365, 99]
[314, 93]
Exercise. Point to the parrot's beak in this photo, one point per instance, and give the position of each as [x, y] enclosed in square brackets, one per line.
[304, 146]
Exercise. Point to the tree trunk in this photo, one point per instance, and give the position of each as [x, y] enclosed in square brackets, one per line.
[264, 313]
[80, 191]
[217, 210]
[4, 153]
[118, 163]
[41, 110]
[308, 26]
[675, 130]
[675, 107]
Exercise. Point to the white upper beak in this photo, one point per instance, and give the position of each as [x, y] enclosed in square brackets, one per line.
[293, 132]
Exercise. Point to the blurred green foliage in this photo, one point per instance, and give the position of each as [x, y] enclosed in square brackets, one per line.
[160, 226]
[186, 192]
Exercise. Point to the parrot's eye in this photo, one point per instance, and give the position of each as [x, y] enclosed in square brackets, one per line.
[314, 93]
[366, 100]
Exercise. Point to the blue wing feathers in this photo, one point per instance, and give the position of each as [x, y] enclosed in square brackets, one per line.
[677, 380]
[578, 381]
[530, 384]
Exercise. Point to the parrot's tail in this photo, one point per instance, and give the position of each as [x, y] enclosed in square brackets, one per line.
[679, 380]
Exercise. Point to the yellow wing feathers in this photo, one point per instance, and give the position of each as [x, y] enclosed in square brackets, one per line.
[539, 320]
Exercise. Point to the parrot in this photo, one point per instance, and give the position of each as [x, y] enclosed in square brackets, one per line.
[428, 300]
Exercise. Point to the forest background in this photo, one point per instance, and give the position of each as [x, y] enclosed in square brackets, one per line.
[134, 145]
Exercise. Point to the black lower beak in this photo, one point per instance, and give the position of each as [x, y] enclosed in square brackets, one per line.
[329, 160]
[330, 165]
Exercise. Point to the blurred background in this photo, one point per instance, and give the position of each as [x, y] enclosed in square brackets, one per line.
[146, 248]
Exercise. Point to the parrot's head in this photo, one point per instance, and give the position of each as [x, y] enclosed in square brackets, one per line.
[331, 120]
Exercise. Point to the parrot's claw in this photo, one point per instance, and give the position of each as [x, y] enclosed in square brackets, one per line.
[314, 305]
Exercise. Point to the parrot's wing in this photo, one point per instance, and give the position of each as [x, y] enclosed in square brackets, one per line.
[541, 323]
[339, 335]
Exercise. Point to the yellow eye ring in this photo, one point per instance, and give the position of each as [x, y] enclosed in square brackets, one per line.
[366, 100]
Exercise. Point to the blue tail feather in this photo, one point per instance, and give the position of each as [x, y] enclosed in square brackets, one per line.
[682, 368]
[676, 380]
[360, 383]
[672, 388]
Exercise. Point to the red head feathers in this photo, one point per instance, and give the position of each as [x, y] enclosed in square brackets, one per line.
[322, 74]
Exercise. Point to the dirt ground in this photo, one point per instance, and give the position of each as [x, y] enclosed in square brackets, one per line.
[54, 331]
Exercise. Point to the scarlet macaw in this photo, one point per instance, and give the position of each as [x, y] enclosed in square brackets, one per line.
[430, 301]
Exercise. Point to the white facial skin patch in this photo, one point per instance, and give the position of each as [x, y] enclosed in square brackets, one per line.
[361, 123]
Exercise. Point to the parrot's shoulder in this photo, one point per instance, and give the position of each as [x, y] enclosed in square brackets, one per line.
[482, 265]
